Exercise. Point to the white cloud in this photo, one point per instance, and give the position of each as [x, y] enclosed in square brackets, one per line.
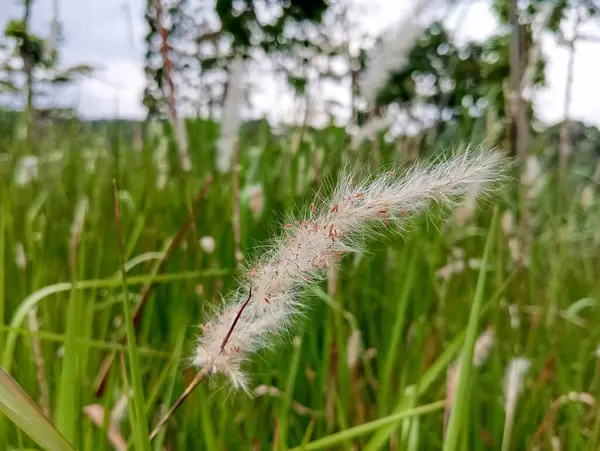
[585, 103]
[117, 90]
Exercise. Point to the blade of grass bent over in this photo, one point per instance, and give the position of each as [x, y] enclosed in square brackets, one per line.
[334, 439]
[287, 398]
[25, 414]
[34, 298]
[466, 361]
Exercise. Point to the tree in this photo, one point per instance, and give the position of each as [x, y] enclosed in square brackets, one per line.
[203, 37]
[520, 16]
[445, 82]
[39, 62]
[29, 48]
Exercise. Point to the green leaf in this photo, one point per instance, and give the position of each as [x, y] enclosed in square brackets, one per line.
[137, 416]
[70, 74]
[24, 413]
[8, 86]
[457, 415]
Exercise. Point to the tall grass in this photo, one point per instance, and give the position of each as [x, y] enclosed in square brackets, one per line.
[413, 322]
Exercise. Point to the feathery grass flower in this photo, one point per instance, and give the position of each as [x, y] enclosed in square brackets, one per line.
[514, 381]
[268, 302]
[27, 170]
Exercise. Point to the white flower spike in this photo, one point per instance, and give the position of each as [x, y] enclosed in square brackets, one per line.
[268, 302]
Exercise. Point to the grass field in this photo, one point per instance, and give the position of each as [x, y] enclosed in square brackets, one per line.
[409, 302]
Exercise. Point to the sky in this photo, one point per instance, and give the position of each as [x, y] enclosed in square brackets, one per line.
[99, 33]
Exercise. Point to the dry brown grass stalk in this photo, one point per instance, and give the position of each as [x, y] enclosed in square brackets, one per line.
[106, 365]
[40, 363]
[177, 123]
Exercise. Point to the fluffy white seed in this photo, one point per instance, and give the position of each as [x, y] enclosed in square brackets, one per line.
[207, 243]
[514, 378]
[27, 170]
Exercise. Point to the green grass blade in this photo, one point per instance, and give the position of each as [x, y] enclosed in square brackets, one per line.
[3, 259]
[397, 329]
[168, 393]
[67, 408]
[26, 415]
[289, 393]
[3, 215]
[429, 377]
[141, 422]
[436, 370]
[357, 431]
[455, 425]
[85, 342]
[139, 259]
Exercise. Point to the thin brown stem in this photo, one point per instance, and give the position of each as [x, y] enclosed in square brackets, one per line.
[137, 315]
[201, 374]
[235, 321]
[519, 128]
[276, 435]
[40, 363]
[189, 389]
[178, 126]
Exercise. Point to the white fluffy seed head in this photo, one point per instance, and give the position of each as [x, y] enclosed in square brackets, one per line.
[393, 52]
[587, 198]
[20, 257]
[230, 122]
[81, 210]
[27, 170]
[370, 129]
[514, 379]
[160, 156]
[182, 143]
[483, 346]
[354, 349]
[507, 223]
[310, 245]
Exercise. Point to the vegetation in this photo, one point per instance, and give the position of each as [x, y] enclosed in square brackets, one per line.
[474, 329]
[407, 307]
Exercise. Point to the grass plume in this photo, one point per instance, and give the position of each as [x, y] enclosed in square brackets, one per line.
[268, 302]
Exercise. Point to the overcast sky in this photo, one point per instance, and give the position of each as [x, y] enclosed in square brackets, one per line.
[97, 33]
